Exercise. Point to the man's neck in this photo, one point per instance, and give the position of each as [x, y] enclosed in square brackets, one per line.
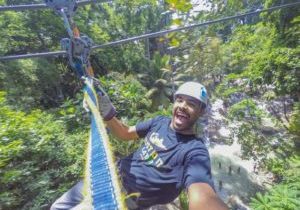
[183, 132]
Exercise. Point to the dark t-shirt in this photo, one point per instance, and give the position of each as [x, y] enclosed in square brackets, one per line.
[166, 163]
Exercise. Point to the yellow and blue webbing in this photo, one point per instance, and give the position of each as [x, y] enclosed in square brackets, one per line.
[102, 188]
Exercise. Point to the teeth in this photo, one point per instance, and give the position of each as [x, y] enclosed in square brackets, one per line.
[182, 115]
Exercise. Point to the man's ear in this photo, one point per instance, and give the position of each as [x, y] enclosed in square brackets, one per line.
[202, 109]
[200, 112]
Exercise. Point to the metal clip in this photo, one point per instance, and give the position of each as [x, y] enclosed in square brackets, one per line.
[77, 48]
[82, 47]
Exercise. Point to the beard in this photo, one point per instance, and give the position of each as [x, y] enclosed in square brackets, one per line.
[183, 121]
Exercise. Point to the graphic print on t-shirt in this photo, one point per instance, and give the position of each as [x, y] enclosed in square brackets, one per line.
[154, 139]
[149, 154]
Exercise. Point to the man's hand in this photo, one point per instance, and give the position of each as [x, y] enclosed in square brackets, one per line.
[202, 197]
[107, 109]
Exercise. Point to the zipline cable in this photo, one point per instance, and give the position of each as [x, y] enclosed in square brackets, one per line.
[23, 7]
[151, 35]
[34, 55]
[44, 6]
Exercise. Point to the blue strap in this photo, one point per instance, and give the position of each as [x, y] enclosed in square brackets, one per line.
[102, 182]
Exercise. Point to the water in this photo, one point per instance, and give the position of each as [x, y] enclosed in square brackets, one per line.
[236, 180]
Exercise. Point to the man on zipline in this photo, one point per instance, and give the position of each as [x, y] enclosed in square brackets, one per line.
[172, 158]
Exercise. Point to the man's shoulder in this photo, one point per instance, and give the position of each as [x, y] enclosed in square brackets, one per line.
[196, 147]
[161, 119]
[196, 142]
[193, 139]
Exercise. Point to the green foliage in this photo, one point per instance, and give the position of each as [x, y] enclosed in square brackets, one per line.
[277, 166]
[261, 202]
[254, 50]
[123, 19]
[262, 63]
[228, 91]
[71, 112]
[159, 81]
[253, 135]
[41, 154]
[292, 33]
[279, 68]
[31, 83]
[165, 111]
[247, 43]
[38, 81]
[283, 20]
[286, 169]
[203, 56]
[39, 157]
[245, 109]
[22, 33]
[227, 87]
[269, 95]
[254, 144]
[121, 148]
[48, 82]
[294, 126]
[292, 173]
[286, 194]
[183, 198]
[127, 94]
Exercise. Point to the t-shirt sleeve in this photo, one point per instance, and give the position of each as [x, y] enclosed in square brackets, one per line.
[197, 168]
[142, 128]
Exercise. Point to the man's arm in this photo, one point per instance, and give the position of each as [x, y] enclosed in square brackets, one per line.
[108, 112]
[121, 130]
[202, 197]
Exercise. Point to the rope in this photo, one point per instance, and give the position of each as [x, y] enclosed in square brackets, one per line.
[151, 35]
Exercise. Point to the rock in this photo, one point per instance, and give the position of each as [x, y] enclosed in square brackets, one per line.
[222, 111]
[235, 203]
[236, 97]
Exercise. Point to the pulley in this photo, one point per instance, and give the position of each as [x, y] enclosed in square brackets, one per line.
[78, 48]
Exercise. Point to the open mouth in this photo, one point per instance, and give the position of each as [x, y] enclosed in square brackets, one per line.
[181, 117]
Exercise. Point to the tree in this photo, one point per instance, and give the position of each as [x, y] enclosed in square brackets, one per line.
[284, 195]
[40, 157]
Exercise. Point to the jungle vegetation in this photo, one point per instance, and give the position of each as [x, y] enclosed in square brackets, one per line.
[44, 130]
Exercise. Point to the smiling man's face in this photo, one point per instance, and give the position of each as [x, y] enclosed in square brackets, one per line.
[186, 111]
